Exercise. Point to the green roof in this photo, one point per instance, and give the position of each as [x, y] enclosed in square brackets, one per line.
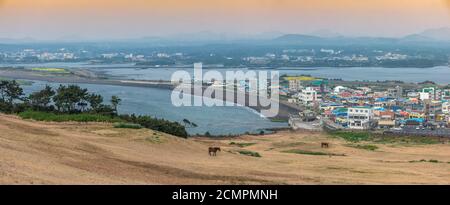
[319, 82]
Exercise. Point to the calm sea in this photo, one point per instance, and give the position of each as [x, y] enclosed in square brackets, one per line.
[157, 103]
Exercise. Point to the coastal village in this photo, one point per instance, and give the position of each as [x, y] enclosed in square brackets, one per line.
[417, 109]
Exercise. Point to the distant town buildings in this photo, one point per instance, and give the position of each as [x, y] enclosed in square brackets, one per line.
[369, 107]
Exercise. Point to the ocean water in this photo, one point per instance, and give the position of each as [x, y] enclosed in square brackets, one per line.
[440, 74]
[157, 103]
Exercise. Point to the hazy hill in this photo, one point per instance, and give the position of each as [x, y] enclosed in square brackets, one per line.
[439, 34]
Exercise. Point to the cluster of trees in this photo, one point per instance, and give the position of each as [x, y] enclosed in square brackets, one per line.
[65, 99]
[69, 100]
[173, 128]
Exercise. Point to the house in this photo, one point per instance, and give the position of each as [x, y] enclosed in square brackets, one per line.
[295, 85]
[414, 122]
[396, 92]
[446, 108]
[339, 89]
[433, 108]
[345, 94]
[424, 96]
[433, 92]
[360, 118]
[387, 115]
[416, 115]
[386, 119]
[292, 100]
[308, 96]
[446, 94]
[386, 123]
[412, 94]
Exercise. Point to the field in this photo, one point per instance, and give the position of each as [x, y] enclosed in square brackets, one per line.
[301, 78]
[51, 70]
[97, 153]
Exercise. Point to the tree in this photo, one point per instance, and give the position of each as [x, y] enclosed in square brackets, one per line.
[115, 101]
[95, 101]
[3, 84]
[67, 98]
[189, 124]
[43, 98]
[12, 92]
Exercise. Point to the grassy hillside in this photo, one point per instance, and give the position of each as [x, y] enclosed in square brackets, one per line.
[34, 152]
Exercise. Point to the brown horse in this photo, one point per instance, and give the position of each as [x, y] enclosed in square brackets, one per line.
[213, 151]
[325, 145]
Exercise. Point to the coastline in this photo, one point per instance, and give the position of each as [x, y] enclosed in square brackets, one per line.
[284, 107]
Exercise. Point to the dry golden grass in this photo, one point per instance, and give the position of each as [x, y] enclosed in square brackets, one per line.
[72, 153]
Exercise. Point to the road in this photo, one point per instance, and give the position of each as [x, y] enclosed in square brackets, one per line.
[440, 132]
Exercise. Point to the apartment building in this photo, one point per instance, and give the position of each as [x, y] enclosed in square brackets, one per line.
[308, 96]
[360, 118]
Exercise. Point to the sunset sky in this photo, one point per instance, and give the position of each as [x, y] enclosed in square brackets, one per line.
[96, 19]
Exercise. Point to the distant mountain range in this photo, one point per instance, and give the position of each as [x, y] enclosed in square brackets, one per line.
[16, 41]
[318, 37]
[429, 36]
[440, 34]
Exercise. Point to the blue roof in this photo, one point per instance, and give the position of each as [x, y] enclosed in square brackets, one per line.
[395, 108]
[341, 114]
[417, 120]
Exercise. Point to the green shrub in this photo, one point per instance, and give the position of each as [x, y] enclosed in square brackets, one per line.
[249, 153]
[430, 161]
[53, 117]
[365, 147]
[352, 136]
[127, 126]
[241, 144]
[173, 128]
[297, 151]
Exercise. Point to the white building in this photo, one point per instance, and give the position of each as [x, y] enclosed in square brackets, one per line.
[412, 94]
[446, 108]
[308, 96]
[424, 96]
[339, 89]
[360, 118]
[163, 55]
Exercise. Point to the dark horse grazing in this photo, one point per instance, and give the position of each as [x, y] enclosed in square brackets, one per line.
[213, 151]
[325, 145]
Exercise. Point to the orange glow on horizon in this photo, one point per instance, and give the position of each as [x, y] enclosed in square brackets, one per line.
[140, 17]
